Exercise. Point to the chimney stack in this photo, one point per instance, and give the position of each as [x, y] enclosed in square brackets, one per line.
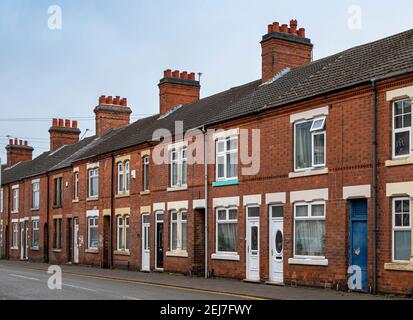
[63, 132]
[18, 151]
[111, 113]
[284, 47]
[177, 88]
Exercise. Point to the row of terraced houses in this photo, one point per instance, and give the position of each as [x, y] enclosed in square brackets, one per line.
[326, 193]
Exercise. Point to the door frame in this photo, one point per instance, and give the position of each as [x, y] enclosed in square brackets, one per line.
[350, 235]
[75, 240]
[144, 240]
[24, 246]
[247, 233]
[271, 220]
[156, 238]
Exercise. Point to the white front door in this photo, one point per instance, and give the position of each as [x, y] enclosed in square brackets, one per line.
[76, 241]
[276, 244]
[24, 232]
[146, 253]
[253, 244]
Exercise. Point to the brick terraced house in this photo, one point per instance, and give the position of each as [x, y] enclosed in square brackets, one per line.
[332, 193]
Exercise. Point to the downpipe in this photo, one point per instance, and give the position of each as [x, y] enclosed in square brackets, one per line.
[374, 187]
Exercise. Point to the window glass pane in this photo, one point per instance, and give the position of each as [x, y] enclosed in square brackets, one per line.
[398, 108]
[398, 206]
[184, 173]
[317, 210]
[232, 144]
[406, 206]
[277, 212]
[402, 143]
[232, 165]
[174, 234]
[222, 215]
[303, 145]
[253, 212]
[220, 146]
[398, 220]
[402, 245]
[174, 174]
[398, 122]
[183, 236]
[309, 238]
[120, 233]
[318, 124]
[159, 217]
[407, 106]
[254, 238]
[146, 218]
[319, 141]
[227, 237]
[406, 220]
[221, 168]
[279, 242]
[407, 120]
[233, 214]
[301, 211]
[174, 216]
[184, 216]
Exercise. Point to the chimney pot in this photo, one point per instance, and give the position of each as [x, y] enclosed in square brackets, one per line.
[293, 27]
[191, 76]
[124, 102]
[60, 123]
[26, 143]
[109, 100]
[301, 32]
[102, 99]
[284, 28]
[116, 101]
[74, 124]
[270, 29]
[54, 122]
[11, 142]
[67, 123]
[167, 73]
[21, 142]
[16, 142]
[276, 27]
[184, 75]
[175, 74]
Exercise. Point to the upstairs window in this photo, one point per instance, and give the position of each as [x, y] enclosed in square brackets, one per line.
[35, 195]
[120, 178]
[145, 173]
[179, 167]
[402, 230]
[76, 186]
[58, 188]
[1, 200]
[402, 124]
[93, 183]
[123, 177]
[15, 203]
[227, 158]
[310, 144]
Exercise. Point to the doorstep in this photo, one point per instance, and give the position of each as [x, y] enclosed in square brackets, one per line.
[272, 283]
[252, 281]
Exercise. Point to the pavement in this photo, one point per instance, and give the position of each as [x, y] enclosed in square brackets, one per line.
[27, 280]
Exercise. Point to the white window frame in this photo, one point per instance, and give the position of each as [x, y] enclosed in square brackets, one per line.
[227, 221]
[15, 199]
[179, 222]
[401, 130]
[76, 186]
[121, 178]
[89, 227]
[308, 218]
[35, 227]
[126, 184]
[35, 206]
[15, 235]
[93, 173]
[1, 200]
[121, 243]
[394, 228]
[224, 154]
[314, 133]
[181, 159]
[145, 173]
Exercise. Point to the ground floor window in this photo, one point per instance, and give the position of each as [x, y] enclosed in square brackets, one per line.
[15, 243]
[402, 229]
[309, 229]
[123, 230]
[178, 230]
[57, 234]
[93, 236]
[226, 229]
[35, 234]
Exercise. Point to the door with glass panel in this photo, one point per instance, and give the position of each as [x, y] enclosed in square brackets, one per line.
[276, 223]
[253, 244]
[24, 234]
[146, 253]
[159, 240]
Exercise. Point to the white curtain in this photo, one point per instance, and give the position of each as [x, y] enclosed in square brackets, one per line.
[303, 145]
[227, 237]
[309, 238]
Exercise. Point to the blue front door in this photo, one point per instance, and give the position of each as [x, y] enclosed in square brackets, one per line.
[358, 242]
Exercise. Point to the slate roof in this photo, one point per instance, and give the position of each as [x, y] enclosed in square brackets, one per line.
[355, 66]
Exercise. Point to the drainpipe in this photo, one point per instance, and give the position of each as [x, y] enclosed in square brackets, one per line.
[112, 212]
[206, 198]
[46, 243]
[374, 185]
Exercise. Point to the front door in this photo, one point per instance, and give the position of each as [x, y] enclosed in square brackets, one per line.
[358, 240]
[253, 244]
[106, 241]
[159, 240]
[69, 239]
[76, 240]
[276, 273]
[146, 243]
[24, 234]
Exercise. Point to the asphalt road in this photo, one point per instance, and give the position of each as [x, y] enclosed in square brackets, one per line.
[23, 284]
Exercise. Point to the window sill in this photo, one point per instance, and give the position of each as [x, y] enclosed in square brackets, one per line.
[223, 256]
[398, 267]
[399, 162]
[122, 253]
[57, 250]
[308, 262]
[144, 193]
[174, 189]
[122, 195]
[309, 173]
[178, 254]
[14, 248]
[93, 251]
[92, 199]
[225, 183]
[35, 209]
[57, 207]
[75, 201]
[14, 212]
[35, 249]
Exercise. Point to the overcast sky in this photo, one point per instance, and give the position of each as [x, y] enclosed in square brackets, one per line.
[122, 47]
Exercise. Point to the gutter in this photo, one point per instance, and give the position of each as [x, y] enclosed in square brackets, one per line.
[374, 185]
